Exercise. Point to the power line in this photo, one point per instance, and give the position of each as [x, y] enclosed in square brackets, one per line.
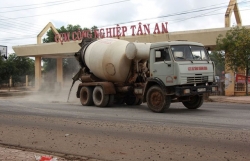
[144, 19]
[39, 6]
[24, 25]
[35, 4]
[18, 28]
[186, 12]
[191, 11]
[17, 22]
[16, 38]
[177, 14]
[178, 20]
[70, 10]
[12, 33]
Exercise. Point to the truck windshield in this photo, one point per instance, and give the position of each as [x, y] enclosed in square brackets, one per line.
[189, 52]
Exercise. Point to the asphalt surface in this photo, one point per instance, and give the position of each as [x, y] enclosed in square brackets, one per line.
[216, 131]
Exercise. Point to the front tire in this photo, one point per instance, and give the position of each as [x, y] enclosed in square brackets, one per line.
[100, 99]
[156, 100]
[194, 103]
[86, 98]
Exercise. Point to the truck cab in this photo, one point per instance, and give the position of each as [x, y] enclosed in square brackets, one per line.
[183, 72]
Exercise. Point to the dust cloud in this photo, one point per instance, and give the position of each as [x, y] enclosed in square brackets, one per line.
[53, 93]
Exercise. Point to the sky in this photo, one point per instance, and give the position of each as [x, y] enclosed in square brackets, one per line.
[21, 21]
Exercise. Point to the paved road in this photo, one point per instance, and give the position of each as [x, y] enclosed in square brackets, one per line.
[217, 131]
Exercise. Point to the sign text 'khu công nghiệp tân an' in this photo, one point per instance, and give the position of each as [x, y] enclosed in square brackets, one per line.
[117, 31]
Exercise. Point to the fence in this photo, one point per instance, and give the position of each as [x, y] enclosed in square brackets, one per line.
[240, 82]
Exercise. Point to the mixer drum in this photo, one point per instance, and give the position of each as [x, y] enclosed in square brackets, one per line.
[107, 60]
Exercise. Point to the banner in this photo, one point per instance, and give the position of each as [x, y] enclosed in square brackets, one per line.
[241, 78]
[112, 32]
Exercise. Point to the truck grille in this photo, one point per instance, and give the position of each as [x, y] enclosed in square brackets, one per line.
[197, 79]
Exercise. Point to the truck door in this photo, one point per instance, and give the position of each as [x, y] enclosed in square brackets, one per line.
[162, 66]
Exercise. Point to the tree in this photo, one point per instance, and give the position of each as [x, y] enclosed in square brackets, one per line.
[3, 71]
[236, 45]
[218, 57]
[17, 68]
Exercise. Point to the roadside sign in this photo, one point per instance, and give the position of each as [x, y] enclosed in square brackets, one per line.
[3, 51]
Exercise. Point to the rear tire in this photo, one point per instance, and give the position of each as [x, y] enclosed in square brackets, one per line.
[194, 103]
[156, 100]
[86, 98]
[111, 100]
[100, 99]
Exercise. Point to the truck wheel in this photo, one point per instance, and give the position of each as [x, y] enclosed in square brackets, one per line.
[131, 101]
[156, 100]
[86, 96]
[194, 103]
[100, 99]
[111, 100]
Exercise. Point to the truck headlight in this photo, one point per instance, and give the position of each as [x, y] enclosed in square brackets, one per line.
[186, 91]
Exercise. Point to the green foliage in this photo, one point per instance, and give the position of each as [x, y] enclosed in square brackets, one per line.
[70, 65]
[17, 68]
[236, 45]
[3, 71]
[49, 64]
[219, 60]
[70, 28]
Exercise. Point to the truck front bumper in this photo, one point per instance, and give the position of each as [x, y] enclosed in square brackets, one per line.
[195, 90]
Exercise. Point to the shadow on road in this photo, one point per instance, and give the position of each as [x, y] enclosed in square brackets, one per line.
[185, 111]
[173, 109]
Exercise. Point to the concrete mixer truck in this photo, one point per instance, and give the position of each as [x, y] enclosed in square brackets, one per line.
[115, 71]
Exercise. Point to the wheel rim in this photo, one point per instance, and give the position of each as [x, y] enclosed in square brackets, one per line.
[100, 99]
[86, 96]
[156, 99]
[193, 99]
[98, 96]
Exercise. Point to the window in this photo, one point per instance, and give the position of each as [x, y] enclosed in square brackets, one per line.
[161, 55]
[189, 52]
[198, 53]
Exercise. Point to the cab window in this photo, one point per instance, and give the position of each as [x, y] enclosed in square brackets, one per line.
[161, 55]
